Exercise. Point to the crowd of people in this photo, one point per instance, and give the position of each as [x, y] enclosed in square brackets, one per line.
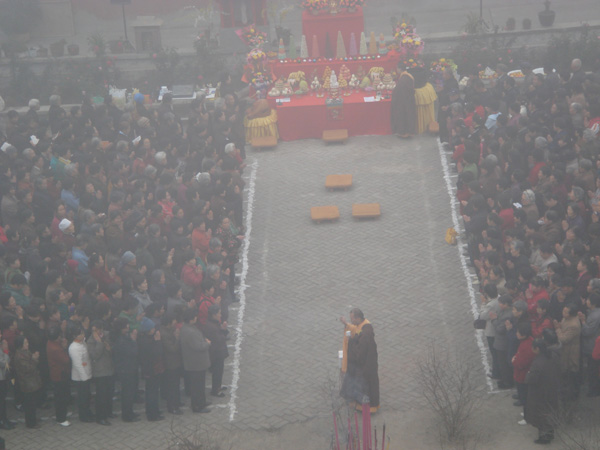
[120, 232]
[527, 153]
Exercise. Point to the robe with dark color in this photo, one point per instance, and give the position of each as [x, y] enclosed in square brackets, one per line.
[404, 108]
[543, 382]
[361, 378]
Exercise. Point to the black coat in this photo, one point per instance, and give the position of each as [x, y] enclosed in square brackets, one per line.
[362, 367]
[543, 382]
[151, 355]
[218, 345]
[125, 355]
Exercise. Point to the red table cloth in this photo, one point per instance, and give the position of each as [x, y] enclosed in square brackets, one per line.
[307, 117]
[332, 23]
[282, 69]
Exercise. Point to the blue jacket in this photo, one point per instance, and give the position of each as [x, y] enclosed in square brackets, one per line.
[79, 255]
[71, 201]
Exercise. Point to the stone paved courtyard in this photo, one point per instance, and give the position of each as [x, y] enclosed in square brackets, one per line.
[301, 277]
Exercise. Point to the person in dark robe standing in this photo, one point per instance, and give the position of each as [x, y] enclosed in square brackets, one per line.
[361, 381]
[543, 383]
[448, 95]
[404, 107]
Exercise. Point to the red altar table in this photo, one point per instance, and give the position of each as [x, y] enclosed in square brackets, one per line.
[307, 116]
[322, 24]
[282, 69]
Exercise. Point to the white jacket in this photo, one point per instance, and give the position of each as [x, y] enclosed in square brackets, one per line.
[79, 355]
[484, 313]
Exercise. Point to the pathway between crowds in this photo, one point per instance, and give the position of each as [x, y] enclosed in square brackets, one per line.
[300, 277]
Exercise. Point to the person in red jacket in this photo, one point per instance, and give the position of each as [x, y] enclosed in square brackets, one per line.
[191, 274]
[200, 237]
[543, 319]
[207, 300]
[521, 363]
[536, 292]
[60, 373]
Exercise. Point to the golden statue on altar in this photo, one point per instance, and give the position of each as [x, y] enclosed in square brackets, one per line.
[334, 6]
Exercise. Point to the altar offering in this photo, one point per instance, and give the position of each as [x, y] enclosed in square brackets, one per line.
[277, 89]
[388, 82]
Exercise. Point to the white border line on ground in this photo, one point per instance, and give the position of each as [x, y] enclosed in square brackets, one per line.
[242, 294]
[463, 262]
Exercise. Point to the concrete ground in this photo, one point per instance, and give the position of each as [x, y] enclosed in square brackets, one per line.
[299, 277]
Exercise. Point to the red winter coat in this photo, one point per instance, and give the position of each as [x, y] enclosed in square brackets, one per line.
[523, 359]
[532, 303]
[539, 325]
[205, 303]
[191, 278]
[200, 240]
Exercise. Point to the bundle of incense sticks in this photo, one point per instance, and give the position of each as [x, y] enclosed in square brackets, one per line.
[369, 439]
[337, 437]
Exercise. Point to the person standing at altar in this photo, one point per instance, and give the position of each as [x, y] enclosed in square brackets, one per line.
[404, 108]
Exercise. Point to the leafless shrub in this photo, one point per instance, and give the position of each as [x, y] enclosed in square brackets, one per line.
[330, 390]
[449, 388]
[200, 438]
[578, 429]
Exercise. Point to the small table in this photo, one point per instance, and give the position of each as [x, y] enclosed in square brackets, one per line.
[366, 210]
[330, 136]
[264, 142]
[324, 213]
[338, 181]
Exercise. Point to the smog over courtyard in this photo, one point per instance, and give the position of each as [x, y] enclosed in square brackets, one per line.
[299, 224]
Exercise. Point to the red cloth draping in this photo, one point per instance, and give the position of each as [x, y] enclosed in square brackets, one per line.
[332, 23]
[282, 69]
[307, 117]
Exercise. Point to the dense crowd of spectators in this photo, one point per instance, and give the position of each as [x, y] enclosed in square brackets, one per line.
[120, 231]
[527, 152]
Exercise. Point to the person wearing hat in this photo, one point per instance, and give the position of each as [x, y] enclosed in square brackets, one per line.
[404, 108]
[67, 233]
[152, 366]
[215, 331]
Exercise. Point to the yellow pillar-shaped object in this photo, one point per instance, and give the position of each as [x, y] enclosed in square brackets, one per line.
[372, 44]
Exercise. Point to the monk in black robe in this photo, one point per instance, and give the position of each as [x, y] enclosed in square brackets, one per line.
[404, 107]
[361, 381]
